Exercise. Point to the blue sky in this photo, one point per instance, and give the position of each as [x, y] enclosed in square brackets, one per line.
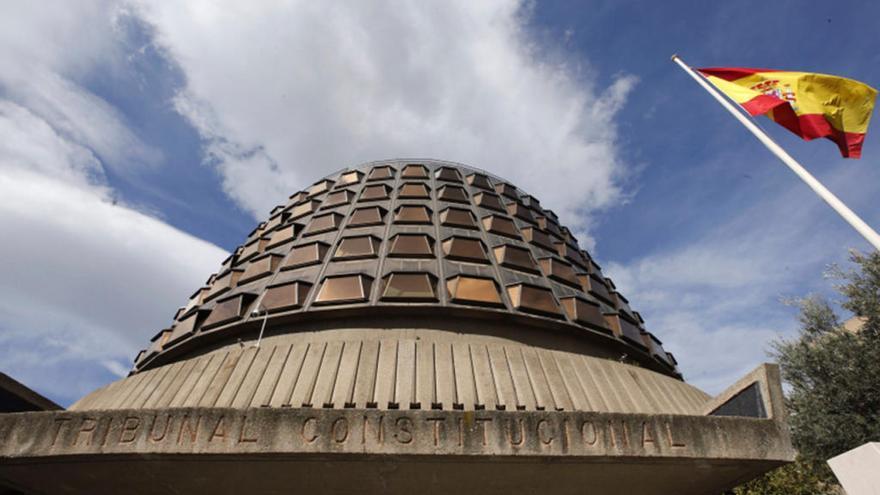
[144, 140]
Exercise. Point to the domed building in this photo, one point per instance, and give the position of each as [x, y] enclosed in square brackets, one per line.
[404, 326]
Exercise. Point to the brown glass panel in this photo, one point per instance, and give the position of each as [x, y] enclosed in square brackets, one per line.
[479, 180]
[381, 173]
[515, 257]
[584, 312]
[453, 193]
[319, 188]
[297, 197]
[567, 235]
[375, 192]
[197, 298]
[458, 217]
[338, 198]
[362, 217]
[305, 255]
[656, 348]
[303, 209]
[548, 225]
[291, 295]
[349, 178]
[365, 246]
[489, 200]
[257, 232]
[225, 311]
[411, 246]
[622, 304]
[531, 202]
[538, 237]
[284, 234]
[253, 248]
[506, 190]
[409, 287]
[465, 249]
[559, 271]
[596, 286]
[157, 343]
[473, 290]
[630, 332]
[323, 223]
[414, 171]
[275, 220]
[185, 328]
[532, 299]
[414, 190]
[344, 289]
[447, 173]
[412, 214]
[520, 211]
[260, 267]
[501, 226]
[223, 283]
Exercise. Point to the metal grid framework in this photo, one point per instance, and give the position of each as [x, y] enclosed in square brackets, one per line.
[407, 233]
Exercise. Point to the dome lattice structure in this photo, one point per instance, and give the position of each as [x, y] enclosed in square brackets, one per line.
[390, 244]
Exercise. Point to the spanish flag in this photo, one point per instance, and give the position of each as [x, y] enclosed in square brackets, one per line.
[809, 105]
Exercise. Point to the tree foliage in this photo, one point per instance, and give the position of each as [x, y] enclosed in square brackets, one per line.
[833, 380]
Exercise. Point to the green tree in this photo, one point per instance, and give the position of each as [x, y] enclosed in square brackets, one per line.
[833, 378]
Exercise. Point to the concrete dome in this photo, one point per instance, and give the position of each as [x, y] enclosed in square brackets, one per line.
[370, 253]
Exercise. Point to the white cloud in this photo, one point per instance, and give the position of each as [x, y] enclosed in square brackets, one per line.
[45, 52]
[86, 279]
[285, 92]
[716, 301]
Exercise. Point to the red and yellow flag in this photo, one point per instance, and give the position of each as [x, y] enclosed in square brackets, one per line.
[809, 105]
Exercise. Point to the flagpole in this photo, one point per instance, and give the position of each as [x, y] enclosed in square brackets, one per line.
[857, 223]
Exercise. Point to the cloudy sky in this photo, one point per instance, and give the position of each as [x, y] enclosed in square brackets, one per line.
[140, 142]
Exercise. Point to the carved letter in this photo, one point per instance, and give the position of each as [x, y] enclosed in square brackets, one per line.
[593, 437]
[672, 443]
[310, 438]
[88, 427]
[480, 422]
[566, 441]
[545, 440]
[192, 429]
[460, 431]
[59, 422]
[153, 437]
[340, 430]
[612, 434]
[404, 427]
[380, 431]
[219, 430]
[107, 431]
[520, 437]
[129, 429]
[647, 436]
[436, 422]
[242, 435]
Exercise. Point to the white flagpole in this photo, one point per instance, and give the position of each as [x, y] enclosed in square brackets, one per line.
[832, 200]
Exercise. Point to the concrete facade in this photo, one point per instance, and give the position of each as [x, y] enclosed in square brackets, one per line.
[404, 326]
[859, 469]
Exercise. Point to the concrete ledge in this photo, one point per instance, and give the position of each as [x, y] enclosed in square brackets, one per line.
[766, 379]
[662, 453]
[468, 433]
